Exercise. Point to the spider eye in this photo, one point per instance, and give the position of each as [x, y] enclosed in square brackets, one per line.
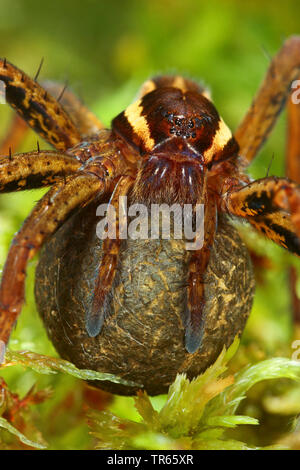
[181, 126]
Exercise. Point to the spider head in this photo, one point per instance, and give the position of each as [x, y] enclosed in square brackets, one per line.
[180, 124]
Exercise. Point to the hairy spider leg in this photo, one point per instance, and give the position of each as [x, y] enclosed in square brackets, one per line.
[84, 120]
[109, 262]
[38, 108]
[48, 215]
[293, 171]
[269, 101]
[35, 170]
[275, 90]
[272, 206]
[42, 168]
[195, 309]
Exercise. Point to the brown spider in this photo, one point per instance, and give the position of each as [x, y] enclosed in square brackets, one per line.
[169, 145]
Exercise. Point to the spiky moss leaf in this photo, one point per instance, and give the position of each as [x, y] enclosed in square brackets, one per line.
[112, 432]
[186, 399]
[50, 365]
[230, 421]
[227, 402]
[146, 411]
[8, 427]
[197, 413]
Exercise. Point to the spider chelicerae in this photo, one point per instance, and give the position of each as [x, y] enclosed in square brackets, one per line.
[169, 145]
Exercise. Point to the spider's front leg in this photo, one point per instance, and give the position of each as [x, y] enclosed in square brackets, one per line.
[35, 170]
[48, 215]
[86, 122]
[38, 108]
[109, 262]
[197, 266]
[271, 205]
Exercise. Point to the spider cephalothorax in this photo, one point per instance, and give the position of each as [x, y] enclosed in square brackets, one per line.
[169, 146]
[177, 122]
[178, 134]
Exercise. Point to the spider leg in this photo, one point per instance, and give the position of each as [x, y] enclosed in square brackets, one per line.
[272, 206]
[109, 262]
[38, 108]
[197, 266]
[61, 201]
[35, 170]
[293, 171]
[271, 97]
[85, 121]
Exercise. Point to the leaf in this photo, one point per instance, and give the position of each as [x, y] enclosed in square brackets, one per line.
[6, 425]
[50, 365]
[198, 413]
[112, 432]
[228, 401]
[187, 399]
[146, 410]
[230, 421]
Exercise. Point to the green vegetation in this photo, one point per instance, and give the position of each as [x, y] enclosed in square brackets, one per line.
[106, 50]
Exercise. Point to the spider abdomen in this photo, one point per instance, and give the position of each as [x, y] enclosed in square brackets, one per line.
[142, 338]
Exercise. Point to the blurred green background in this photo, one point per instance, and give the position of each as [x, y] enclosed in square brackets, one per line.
[105, 50]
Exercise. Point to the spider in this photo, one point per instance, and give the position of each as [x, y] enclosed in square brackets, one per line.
[169, 145]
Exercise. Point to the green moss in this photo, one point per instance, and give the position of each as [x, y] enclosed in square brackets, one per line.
[106, 50]
[196, 414]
